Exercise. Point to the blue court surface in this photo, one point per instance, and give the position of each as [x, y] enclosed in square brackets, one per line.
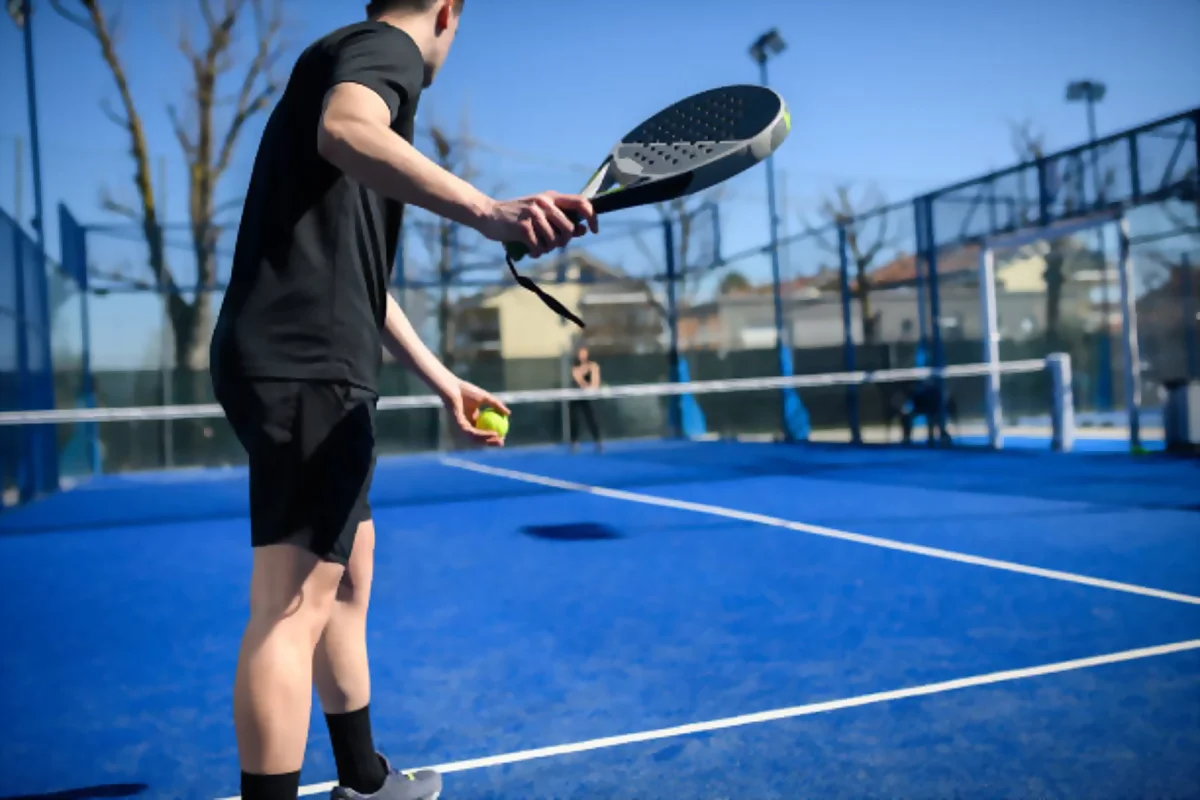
[665, 620]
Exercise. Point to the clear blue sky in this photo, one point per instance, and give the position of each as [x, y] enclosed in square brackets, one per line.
[908, 95]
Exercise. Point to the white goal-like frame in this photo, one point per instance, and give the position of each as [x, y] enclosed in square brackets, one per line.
[1064, 422]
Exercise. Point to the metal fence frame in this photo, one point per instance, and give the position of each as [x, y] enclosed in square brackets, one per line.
[1021, 200]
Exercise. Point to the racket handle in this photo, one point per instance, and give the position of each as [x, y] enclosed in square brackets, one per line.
[516, 250]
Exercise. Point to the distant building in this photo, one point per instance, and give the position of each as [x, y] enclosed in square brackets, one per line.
[812, 306]
[622, 313]
[1169, 327]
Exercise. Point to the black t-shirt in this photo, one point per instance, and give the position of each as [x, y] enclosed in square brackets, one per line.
[313, 261]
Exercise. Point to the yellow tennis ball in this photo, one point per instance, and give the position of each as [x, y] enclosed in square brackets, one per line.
[492, 420]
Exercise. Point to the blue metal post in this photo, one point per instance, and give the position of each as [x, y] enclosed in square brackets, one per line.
[772, 210]
[928, 245]
[921, 357]
[795, 416]
[676, 412]
[685, 416]
[39, 228]
[26, 480]
[34, 138]
[848, 338]
[73, 246]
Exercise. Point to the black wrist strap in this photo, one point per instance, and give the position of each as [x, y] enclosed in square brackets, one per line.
[554, 305]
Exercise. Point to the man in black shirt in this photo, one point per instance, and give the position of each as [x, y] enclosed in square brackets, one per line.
[295, 359]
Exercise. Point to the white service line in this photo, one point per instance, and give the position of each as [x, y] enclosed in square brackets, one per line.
[1005, 676]
[818, 530]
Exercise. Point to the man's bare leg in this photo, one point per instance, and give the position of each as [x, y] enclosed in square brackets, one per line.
[292, 596]
[342, 675]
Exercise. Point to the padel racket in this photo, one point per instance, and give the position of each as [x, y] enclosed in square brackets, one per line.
[687, 147]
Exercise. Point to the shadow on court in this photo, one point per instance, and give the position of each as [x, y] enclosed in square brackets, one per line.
[572, 532]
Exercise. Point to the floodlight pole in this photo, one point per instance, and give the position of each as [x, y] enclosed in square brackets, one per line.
[23, 16]
[760, 51]
[765, 46]
[1091, 92]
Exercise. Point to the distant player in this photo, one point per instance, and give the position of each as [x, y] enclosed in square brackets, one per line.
[923, 399]
[295, 360]
[586, 374]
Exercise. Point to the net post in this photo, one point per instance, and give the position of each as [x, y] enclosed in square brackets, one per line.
[1133, 382]
[991, 343]
[1062, 405]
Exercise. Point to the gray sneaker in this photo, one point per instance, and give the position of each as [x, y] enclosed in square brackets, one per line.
[423, 784]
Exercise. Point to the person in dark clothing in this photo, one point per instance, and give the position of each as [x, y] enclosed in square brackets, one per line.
[923, 399]
[586, 374]
[295, 361]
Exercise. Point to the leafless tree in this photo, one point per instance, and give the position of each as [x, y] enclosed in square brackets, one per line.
[865, 222]
[689, 218]
[228, 86]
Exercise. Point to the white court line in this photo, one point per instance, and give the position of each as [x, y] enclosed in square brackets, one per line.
[818, 530]
[1006, 676]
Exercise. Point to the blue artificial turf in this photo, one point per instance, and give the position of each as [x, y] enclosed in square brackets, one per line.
[121, 638]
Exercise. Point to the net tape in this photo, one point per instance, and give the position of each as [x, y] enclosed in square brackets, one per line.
[209, 410]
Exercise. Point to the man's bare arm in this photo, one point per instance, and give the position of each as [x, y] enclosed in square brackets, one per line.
[355, 135]
[462, 400]
[402, 341]
[594, 383]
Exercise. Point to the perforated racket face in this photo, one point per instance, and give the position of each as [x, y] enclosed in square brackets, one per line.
[727, 114]
[698, 130]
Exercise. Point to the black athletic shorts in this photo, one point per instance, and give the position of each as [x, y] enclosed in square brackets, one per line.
[311, 447]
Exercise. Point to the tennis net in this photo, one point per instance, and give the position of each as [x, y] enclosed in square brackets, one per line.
[1032, 401]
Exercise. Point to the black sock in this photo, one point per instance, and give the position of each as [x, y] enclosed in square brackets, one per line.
[271, 787]
[358, 765]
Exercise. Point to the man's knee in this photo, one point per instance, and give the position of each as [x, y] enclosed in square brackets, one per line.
[292, 586]
[354, 589]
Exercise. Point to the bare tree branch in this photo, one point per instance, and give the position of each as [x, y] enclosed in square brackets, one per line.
[1177, 220]
[210, 18]
[645, 249]
[79, 20]
[122, 278]
[268, 28]
[853, 217]
[208, 56]
[101, 29]
[818, 234]
[109, 203]
[109, 112]
[229, 205]
[1028, 143]
[181, 134]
